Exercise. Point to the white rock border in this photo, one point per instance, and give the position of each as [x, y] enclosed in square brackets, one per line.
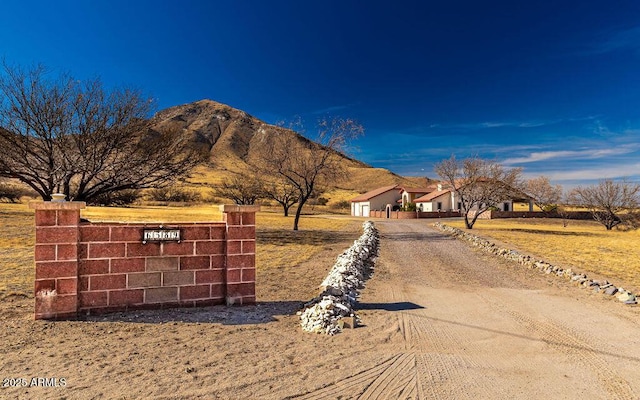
[340, 289]
[605, 287]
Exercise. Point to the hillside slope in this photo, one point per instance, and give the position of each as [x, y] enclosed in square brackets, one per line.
[231, 136]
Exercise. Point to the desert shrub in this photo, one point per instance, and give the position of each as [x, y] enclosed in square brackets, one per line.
[213, 200]
[341, 205]
[630, 221]
[322, 201]
[119, 198]
[11, 193]
[210, 198]
[174, 195]
[207, 195]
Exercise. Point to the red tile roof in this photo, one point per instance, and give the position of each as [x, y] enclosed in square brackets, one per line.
[431, 196]
[419, 190]
[373, 193]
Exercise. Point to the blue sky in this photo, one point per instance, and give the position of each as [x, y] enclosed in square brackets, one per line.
[550, 86]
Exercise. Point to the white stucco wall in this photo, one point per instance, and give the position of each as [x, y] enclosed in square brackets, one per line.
[380, 202]
[501, 206]
[360, 209]
[447, 200]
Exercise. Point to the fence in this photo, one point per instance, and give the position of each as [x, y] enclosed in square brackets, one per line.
[575, 215]
[84, 267]
[413, 214]
[491, 214]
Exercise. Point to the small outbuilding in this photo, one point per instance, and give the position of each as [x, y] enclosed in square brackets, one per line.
[377, 199]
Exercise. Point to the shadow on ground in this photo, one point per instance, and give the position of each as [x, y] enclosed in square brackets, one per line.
[260, 313]
[545, 232]
[398, 306]
[572, 346]
[317, 238]
[430, 236]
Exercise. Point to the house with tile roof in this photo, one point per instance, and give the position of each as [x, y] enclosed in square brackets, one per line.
[441, 199]
[378, 199]
[436, 199]
[444, 198]
[409, 195]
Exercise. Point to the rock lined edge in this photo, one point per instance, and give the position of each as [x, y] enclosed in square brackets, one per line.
[340, 289]
[605, 287]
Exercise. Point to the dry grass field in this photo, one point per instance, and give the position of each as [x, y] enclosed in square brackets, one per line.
[277, 245]
[584, 245]
[17, 238]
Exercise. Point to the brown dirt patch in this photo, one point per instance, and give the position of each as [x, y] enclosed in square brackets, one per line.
[440, 320]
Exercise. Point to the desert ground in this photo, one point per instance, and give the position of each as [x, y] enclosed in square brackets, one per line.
[438, 320]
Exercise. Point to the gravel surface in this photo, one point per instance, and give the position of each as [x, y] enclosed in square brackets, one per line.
[474, 326]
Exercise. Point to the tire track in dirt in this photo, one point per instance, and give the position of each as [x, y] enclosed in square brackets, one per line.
[399, 381]
[403, 323]
[452, 348]
[445, 357]
[395, 378]
[442, 356]
[577, 348]
[391, 379]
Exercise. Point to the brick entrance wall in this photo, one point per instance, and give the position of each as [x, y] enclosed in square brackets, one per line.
[84, 267]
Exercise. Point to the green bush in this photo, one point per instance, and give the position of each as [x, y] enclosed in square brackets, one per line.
[409, 207]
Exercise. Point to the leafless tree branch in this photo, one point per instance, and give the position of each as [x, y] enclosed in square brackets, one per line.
[611, 203]
[479, 184]
[303, 164]
[62, 135]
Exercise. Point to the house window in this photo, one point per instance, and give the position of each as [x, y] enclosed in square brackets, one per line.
[459, 205]
[439, 205]
[506, 206]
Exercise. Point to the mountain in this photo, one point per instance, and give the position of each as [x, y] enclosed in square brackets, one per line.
[231, 137]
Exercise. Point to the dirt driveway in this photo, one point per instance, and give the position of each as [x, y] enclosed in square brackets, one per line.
[471, 326]
[441, 320]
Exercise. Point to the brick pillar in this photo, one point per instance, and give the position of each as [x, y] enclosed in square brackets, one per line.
[56, 258]
[240, 258]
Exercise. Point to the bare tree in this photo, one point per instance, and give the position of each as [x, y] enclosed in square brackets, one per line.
[545, 195]
[283, 192]
[563, 209]
[478, 184]
[611, 203]
[241, 189]
[77, 138]
[304, 164]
